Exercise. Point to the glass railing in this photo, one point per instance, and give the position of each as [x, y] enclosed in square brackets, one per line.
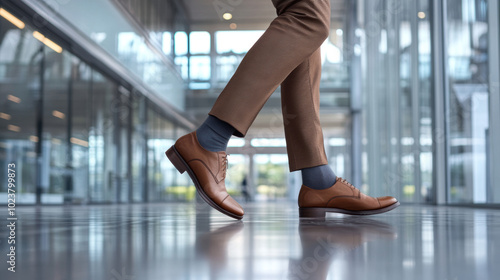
[334, 75]
[106, 24]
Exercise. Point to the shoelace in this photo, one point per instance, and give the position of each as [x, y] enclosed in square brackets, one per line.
[345, 182]
[225, 164]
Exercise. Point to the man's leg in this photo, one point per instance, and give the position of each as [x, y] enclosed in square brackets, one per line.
[321, 191]
[304, 137]
[297, 32]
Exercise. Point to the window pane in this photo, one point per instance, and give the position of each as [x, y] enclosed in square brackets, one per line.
[180, 43]
[236, 41]
[58, 186]
[272, 176]
[182, 63]
[199, 42]
[80, 124]
[19, 96]
[102, 148]
[167, 43]
[200, 68]
[468, 98]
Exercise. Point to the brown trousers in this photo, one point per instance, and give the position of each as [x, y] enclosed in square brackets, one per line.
[288, 54]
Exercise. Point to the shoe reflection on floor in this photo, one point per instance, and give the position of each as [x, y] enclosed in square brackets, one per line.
[213, 246]
[324, 240]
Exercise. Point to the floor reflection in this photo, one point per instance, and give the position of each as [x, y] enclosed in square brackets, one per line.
[323, 240]
[213, 247]
[192, 242]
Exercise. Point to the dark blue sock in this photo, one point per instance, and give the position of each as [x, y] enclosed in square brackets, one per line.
[318, 177]
[214, 134]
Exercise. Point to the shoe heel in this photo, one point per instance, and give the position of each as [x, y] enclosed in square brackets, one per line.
[312, 213]
[175, 159]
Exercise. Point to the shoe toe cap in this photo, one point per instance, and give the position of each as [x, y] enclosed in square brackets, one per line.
[386, 201]
[232, 206]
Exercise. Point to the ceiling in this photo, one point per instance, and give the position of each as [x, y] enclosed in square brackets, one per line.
[247, 14]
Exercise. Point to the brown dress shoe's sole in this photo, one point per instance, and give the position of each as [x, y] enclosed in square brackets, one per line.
[319, 212]
[182, 166]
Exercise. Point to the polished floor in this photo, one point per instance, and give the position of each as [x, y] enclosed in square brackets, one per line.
[189, 241]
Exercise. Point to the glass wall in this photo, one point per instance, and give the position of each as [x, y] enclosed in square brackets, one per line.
[79, 126]
[402, 135]
[272, 176]
[102, 148]
[397, 117]
[75, 135]
[238, 177]
[138, 147]
[21, 56]
[468, 121]
[164, 182]
[55, 121]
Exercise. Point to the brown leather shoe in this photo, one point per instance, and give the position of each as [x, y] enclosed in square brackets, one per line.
[343, 198]
[207, 170]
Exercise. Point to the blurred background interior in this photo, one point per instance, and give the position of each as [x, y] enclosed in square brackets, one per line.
[93, 92]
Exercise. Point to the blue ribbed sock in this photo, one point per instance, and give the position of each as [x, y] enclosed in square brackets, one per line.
[318, 177]
[214, 134]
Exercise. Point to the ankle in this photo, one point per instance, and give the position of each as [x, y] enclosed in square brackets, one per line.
[318, 177]
[214, 134]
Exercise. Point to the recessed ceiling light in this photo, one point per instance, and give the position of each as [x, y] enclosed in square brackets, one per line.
[78, 141]
[49, 43]
[421, 15]
[58, 114]
[4, 116]
[13, 98]
[10, 17]
[227, 16]
[14, 128]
